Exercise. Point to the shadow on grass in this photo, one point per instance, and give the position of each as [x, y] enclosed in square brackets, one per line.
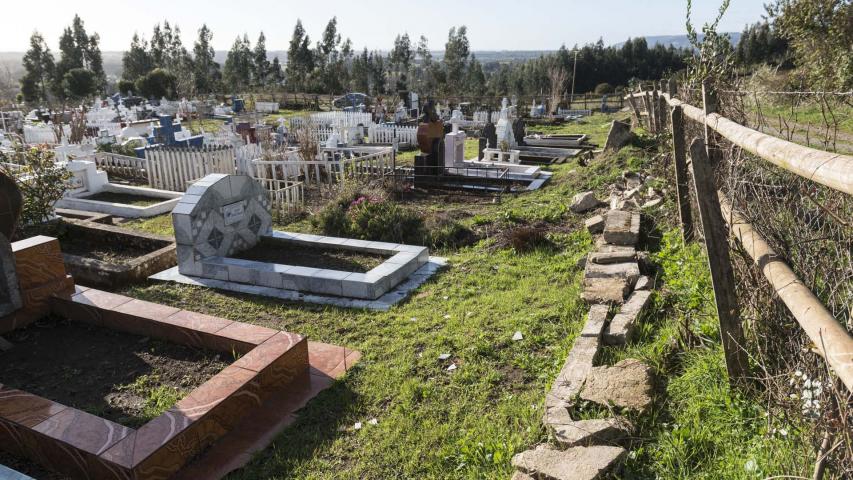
[317, 426]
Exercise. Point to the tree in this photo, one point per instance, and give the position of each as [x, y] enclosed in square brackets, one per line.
[456, 52]
[38, 68]
[207, 74]
[260, 63]
[276, 72]
[238, 65]
[300, 60]
[78, 50]
[136, 62]
[475, 80]
[820, 33]
[401, 60]
[80, 83]
[159, 83]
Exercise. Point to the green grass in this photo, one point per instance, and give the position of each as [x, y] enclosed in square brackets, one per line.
[596, 126]
[436, 424]
[157, 398]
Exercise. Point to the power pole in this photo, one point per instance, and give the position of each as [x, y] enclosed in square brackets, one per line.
[574, 73]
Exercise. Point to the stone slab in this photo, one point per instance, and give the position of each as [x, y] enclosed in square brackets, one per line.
[595, 224]
[577, 463]
[608, 431]
[605, 290]
[623, 325]
[622, 228]
[383, 303]
[628, 384]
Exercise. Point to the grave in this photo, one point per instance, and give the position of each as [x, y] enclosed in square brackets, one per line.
[90, 190]
[239, 409]
[224, 217]
[101, 255]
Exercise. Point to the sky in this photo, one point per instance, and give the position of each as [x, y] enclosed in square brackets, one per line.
[492, 25]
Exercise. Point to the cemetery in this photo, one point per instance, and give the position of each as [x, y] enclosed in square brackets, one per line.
[592, 263]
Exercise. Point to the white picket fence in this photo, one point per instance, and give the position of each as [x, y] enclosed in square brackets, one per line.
[284, 194]
[175, 169]
[123, 166]
[333, 168]
[386, 134]
[482, 117]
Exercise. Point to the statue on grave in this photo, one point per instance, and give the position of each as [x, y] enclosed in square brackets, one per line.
[430, 129]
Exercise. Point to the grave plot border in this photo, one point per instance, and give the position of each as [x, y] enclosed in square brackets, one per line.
[82, 203]
[85, 446]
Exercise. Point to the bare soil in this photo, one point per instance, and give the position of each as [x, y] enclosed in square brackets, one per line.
[89, 246]
[121, 377]
[332, 259]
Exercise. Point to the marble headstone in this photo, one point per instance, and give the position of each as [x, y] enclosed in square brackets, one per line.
[219, 216]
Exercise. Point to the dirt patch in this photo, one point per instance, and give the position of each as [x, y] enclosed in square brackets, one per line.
[125, 198]
[90, 246]
[124, 378]
[300, 256]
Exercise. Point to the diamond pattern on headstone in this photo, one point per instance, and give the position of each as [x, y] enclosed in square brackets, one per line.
[215, 238]
[254, 224]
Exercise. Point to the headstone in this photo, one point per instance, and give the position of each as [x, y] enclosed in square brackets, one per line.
[217, 217]
[505, 136]
[490, 134]
[85, 177]
[454, 149]
[10, 211]
[619, 135]
[518, 131]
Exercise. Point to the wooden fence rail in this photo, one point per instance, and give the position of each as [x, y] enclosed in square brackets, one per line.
[833, 170]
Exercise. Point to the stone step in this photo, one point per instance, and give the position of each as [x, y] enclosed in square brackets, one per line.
[578, 463]
[622, 228]
[628, 384]
[623, 325]
[608, 431]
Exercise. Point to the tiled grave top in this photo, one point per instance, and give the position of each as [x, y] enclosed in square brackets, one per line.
[85, 446]
[222, 214]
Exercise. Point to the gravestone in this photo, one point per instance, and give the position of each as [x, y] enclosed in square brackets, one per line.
[518, 130]
[10, 211]
[490, 134]
[219, 216]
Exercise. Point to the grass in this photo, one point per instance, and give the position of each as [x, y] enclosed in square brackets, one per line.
[157, 398]
[432, 423]
[596, 126]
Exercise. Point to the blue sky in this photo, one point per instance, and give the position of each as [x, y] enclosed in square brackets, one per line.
[492, 25]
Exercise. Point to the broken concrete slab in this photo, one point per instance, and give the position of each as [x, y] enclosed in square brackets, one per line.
[583, 202]
[595, 225]
[622, 326]
[609, 431]
[628, 384]
[632, 179]
[605, 248]
[618, 136]
[627, 270]
[606, 258]
[518, 475]
[577, 463]
[622, 228]
[644, 283]
[596, 319]
[652, 203]
[605, 290]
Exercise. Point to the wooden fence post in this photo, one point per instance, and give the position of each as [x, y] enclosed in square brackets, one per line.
[650, 122]
[682, 182]
[710, 105]
[719, 262]
[635, 109]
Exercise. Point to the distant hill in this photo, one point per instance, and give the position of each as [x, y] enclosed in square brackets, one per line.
[679, 41]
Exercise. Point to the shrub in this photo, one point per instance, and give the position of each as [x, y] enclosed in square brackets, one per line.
[370, 215]
[125, 86]
[603, 89]
[158, 83]
[446, 233]
[41, 182]
[525, 238]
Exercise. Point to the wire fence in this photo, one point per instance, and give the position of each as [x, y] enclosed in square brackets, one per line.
[810, 227]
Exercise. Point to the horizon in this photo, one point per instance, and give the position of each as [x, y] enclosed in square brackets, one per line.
[537, 33]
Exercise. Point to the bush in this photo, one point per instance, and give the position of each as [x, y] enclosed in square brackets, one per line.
[526, 238]
[158, 83]
[603, 89]
[41, 182]
[446, 233]
[370, 215]
[125, 87]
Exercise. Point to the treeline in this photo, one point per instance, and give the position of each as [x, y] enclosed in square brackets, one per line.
[78, 74]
